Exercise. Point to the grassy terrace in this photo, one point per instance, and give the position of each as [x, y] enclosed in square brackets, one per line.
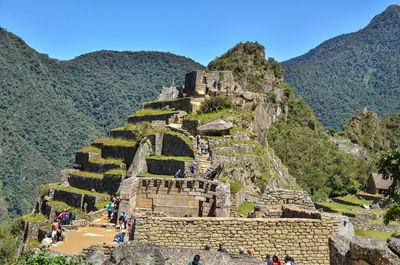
[62, 205]
[34, 217]
[180, 158]
[127, 127]
[374, 234]
[246, 207]
[116, 172]
[346, 208]
[150, 112]
[84, 173]
[356, 200]
[101, 205]
[184, 137]
[76, 190]
[207, 117]
[89, 149]
[115, 142]
[100, 160]
[149, 175]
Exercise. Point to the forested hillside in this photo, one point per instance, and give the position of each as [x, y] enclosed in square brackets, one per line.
[51, 108]
[352, 71]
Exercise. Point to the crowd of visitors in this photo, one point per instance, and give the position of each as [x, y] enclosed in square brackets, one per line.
[65, 217]
[112, 208]
[276, 261]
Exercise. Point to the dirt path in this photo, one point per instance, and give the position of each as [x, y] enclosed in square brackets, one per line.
[77, 240]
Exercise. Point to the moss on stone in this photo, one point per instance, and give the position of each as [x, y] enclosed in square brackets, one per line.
[116, 172]
[100, 160]
[115, 142]
[236, 186]
[34, 217]
[88, 174]
[150, 112]
[246, 207]
[76, 190]
[89, 149]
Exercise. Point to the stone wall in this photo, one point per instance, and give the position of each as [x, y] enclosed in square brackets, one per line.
[272, 201]
[160, 117]
[306, 240]
[196, 81]
[191, 126]
[175, 197]
[78, 200]
[124, 134]
[166, 166]
[176, 104]
[175, 145]
[126, 153]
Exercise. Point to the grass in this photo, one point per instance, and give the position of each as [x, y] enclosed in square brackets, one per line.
[341, 207]
[100, 160]
[149, 112]
[116, 172]
[186, 138]
[87, 174]
[374, 234]
[236, 186]
[149, 175]
[127, 127]
[180, 158]
[34, 217]
[101, 205]
[46, 227]
[115, 142]
[89, 149]
[356, 200]
[33, 243]
[246, 207]
[62, 205]
[76, 190]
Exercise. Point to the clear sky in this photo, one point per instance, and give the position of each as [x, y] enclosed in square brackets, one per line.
[200, 30]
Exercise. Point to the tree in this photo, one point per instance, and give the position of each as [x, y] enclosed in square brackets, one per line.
[389, 167]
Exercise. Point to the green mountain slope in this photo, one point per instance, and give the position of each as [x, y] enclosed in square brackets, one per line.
[51, 108]
[298, 138]
[352, 71]
[374, 134]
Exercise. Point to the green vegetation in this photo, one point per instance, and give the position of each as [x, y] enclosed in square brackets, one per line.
[44, 189]
[34, 217]
[319, 166]
[127, 127]
[88, 174]
[246, 207]
[374, 234]
[341, 207]
[52, 108]
[89, 149]
[115, 142]
[354, 199]
[181, 158]
[248, 65]
[9, 241]
[351, 71]
[149, 175]
[43, 258]
[207, 117]
[217, 103]
[149, 112]
[262, 181]
[236, 186]
[101, 205]
[100, 160]
[76, 190]
[116, 172]
[32, 243]
[62, 205]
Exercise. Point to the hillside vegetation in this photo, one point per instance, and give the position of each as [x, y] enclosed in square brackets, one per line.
[51, 108]
[298, 138]
[352, 71]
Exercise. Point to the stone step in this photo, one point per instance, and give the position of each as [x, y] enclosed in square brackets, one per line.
[77, 198]
[167, 165]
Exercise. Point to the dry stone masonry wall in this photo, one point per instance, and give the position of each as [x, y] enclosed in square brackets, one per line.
[306, 240]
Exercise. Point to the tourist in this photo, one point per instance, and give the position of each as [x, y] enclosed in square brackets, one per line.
[241, 251]
[276, 260]
[121, 221]
[121, 237]
[198, 140]
[214, 84]
[291, 261]
[219, 85]
[185, 174]
[268, 260]
[66, 218]
[109, 210]
[210, 155]
[221, 248]
[207, 248]
[207, 89]
[114, 214]
[206, 148]
[186, 215]
[196, 261]
[126, 219]
[193, 167]
[287, 260]
[202, 148]
[249, 253]
[177, 174]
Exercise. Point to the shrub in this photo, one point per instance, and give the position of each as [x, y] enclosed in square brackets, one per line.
[216, 103]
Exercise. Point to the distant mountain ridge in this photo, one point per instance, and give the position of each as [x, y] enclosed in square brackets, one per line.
[51, 108]
[352, 71]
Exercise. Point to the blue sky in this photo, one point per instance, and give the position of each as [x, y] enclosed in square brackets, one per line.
[200, 30]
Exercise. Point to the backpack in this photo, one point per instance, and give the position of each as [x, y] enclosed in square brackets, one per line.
[67, 215]
[49, 234]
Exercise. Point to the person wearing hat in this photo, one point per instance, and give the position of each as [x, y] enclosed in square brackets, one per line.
[196, 261]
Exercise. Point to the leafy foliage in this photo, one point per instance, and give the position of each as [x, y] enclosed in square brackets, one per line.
[248, 65]
[351, 71]
[43, 258]
[217, 103]
[317, 164]
[50, 108]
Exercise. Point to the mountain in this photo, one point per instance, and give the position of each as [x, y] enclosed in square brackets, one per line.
[295, 136]
[352, 71]
[374, 134]
[51, 108]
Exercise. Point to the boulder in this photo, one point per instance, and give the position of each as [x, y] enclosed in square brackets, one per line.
[339, 250]
[134, 253]
[46, 242]
[346, 228]
[216, 127]
[96, 258]
[372, 251]
[394, 244]
[168, 93]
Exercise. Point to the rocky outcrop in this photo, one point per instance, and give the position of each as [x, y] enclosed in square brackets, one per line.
[216, 127]
[362, 251]
[135, 253]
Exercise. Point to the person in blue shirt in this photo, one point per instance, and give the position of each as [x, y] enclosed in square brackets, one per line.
[196, 261]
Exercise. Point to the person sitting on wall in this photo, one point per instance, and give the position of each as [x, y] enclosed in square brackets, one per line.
[178, 174]
[196, 261]
[221, 248]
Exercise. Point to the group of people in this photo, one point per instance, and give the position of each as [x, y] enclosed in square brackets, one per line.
[275, 260]
[56, 233]
[217, 84]
[203, 147]
[123, 221]
[112, 208]
[65, 217]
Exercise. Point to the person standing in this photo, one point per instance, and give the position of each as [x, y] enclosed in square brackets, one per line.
[109, 210]
[219, 85]
[202, 148]
[214, 84]
[210, 155]
[206, 148]
[198, 141]
[268, 260]
[276, 260]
